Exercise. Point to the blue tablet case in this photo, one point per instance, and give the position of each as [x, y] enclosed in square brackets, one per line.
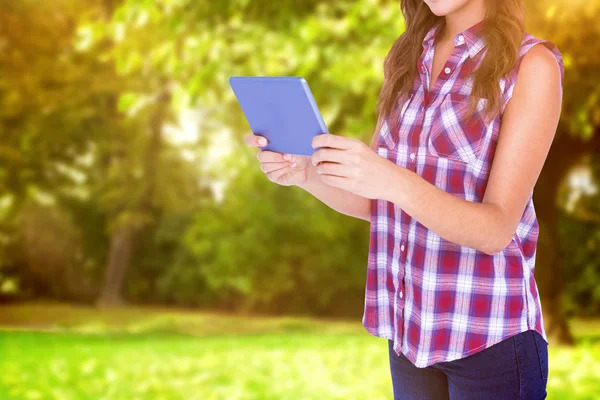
[282, 109]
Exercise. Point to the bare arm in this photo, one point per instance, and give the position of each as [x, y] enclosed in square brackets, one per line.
[527, 131]
[528, 127]
[340, 200]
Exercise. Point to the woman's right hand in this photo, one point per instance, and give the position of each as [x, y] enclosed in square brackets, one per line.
[283, 169]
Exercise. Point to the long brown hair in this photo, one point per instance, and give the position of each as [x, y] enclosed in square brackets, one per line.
[503, 31]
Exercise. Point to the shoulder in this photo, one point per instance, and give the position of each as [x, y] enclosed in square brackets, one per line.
[539, 55]
[547, 57]
[539, 62]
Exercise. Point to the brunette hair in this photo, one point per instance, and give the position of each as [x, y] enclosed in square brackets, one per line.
[503, 30]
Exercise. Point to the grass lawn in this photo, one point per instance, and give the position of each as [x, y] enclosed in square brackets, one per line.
[54, 351]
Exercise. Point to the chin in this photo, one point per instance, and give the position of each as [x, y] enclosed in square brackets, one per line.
[442, 7]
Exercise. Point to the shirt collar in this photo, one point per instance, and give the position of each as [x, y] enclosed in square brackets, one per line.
[471, 37]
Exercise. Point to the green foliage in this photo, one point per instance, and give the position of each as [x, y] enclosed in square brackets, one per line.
[48, 247]
[83, 87]
[580, 246]
[278, 248]
[574, 29]
[48, 112]
[77, 139]
[339, 47]
[582, 279]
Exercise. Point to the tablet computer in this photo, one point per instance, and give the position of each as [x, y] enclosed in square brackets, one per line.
[282, 109]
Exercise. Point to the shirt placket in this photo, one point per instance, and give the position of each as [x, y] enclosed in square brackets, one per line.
[405, 218]
[413, 148]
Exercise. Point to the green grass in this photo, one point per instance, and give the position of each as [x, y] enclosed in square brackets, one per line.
[143, 353]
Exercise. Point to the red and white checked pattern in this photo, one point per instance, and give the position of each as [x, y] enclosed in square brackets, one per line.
[437, 300]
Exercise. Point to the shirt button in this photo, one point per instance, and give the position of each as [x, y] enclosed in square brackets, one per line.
[447, 70]
[460, 39]
[401, 294]
[422, 68]
[412, 156]
[402, 248]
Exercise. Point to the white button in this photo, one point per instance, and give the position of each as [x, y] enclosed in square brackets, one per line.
[401, 294]
[412, 156]
[460, 39]
[402, 248]
[422, 68]
[447, 70]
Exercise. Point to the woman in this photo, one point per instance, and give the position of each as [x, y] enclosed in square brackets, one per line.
[467, 114]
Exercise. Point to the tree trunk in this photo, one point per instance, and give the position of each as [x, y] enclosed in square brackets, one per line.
[121, 250]
[564, 154]
[121, 243]
[123, 240]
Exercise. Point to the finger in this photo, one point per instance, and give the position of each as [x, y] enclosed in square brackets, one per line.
[277, 174]
[255, 140]
[270, 167]
[327, 168]
[335, 141]
[273, 156]
[336, 181]
[332, 155]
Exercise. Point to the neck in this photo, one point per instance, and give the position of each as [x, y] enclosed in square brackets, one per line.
[463, 18]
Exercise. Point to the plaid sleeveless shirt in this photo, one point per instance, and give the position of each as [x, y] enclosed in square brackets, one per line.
[437, 300]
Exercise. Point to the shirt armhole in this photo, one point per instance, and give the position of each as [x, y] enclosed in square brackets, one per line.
[375, 136]
[513, 78]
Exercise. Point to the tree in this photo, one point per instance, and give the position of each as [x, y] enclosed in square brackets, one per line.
[131, 190]
[87, 88]
[577, 139]
[49, 120]
[339, 47]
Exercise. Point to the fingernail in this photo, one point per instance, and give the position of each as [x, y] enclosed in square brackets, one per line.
[293, 165]
[262, 141]
[287, 156]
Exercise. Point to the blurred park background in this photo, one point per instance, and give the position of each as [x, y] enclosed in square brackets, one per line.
[144, 255]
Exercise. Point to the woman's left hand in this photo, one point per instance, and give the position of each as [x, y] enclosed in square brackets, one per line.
[351, 165]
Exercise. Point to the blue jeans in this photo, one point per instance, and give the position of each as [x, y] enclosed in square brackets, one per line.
[515, 368]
